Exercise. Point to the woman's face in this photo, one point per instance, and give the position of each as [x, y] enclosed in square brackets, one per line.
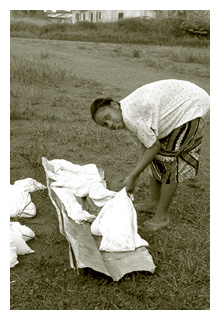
[109, 117]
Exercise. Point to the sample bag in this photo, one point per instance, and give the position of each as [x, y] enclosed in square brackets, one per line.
[19, 234]
[117, 224]
[21, 205]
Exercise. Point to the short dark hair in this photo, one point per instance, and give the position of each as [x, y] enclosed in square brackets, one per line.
[99, 103]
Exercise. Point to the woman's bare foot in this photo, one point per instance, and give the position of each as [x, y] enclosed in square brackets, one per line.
[154, 225]
[157, 218]
[149, 207]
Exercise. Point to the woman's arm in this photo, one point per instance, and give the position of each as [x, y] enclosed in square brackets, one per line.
[147, 155]
[141, 151]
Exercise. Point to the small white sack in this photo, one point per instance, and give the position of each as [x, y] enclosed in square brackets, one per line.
[21, 205]
[20, 200]
[117, 224]
[19, 234]
[29, 185]
[13, 254]
[27, 233]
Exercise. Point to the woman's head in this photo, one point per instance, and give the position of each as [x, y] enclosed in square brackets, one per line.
[107, 113]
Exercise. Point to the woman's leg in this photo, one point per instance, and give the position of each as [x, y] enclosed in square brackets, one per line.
[154, 197]
[154, 192]
[166, 196]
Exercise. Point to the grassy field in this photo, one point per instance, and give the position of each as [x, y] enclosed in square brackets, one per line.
[52, 86]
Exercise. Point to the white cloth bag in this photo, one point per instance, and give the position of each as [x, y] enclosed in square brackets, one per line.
[117, 224]
[20, 205]
[19, 234]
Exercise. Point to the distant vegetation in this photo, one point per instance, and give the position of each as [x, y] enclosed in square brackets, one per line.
[171, 31]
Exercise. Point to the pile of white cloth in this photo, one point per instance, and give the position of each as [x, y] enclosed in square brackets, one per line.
[71, 181]
[117, 220]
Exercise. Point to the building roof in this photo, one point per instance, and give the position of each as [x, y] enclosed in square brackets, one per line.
[60, 15]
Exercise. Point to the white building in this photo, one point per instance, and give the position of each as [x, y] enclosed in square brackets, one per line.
[110, 15]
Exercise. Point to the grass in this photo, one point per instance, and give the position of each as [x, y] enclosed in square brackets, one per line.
[188, 61]
[50, 99]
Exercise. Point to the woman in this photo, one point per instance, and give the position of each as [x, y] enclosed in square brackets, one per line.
[167, 119]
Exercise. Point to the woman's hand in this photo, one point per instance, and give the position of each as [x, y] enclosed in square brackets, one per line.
[129, 183]
[147, 156]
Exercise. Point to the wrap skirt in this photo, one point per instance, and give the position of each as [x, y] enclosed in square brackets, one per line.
[178, 158]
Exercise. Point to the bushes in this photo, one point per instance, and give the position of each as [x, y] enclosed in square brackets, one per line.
[167, 31]
[171, 26]
[86, 25]
[196, 27]
[21, 27]
[134, 25]
[53, 30]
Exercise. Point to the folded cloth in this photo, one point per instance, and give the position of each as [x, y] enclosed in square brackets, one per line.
[70, 180]
[72, 206]
[69, 175]
[117, 224]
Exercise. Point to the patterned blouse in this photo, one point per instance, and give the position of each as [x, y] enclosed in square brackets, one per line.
[156, 109]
